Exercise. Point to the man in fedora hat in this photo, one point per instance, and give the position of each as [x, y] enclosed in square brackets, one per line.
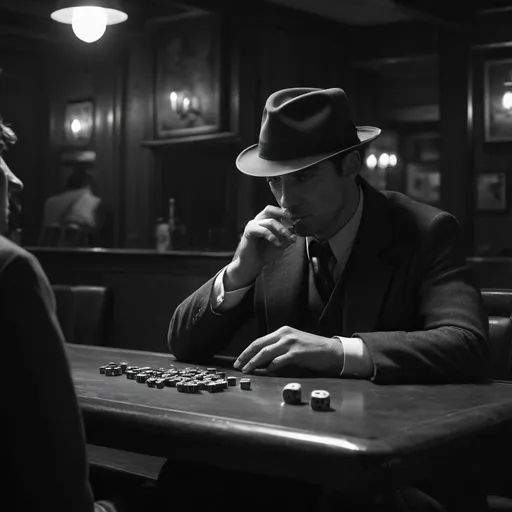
[341, 279]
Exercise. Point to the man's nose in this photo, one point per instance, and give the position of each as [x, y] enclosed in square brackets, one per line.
[288, 193]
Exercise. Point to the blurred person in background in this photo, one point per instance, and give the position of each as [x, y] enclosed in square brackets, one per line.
[76, 215]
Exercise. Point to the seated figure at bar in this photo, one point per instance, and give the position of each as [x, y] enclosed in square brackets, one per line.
[342, 280]
[76, 215]
[45, 454]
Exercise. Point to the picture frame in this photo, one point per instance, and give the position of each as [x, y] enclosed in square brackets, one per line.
[190, 97]
[79, 122]
[497, 82]
[492, 192]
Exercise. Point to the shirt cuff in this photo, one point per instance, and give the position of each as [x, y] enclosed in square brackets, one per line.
[357, 361]
[223, 301]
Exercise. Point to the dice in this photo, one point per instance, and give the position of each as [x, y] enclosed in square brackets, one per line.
[292, 393]
[245, 384]
[320, 400]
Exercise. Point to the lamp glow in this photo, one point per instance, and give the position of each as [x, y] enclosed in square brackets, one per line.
[76, 126]
[393, 160]
[371, 161]
[383, 160]
[507, 100]
[89, 23]
[174, 101]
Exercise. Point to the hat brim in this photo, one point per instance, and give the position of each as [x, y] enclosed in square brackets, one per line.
[249, 162]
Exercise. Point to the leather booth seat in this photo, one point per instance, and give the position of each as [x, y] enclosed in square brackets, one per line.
[499, 308]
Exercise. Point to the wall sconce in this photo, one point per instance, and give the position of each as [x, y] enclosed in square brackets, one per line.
[506, 101]
[184, 106]
[79, 122]
[89, 18]
[383, 160]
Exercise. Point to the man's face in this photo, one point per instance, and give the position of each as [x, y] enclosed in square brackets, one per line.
[9, 184]
[316, 198]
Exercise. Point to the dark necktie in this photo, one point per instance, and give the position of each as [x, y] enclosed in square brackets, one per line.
[321, 254]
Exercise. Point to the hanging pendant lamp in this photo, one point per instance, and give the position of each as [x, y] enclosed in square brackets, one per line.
[89, 18]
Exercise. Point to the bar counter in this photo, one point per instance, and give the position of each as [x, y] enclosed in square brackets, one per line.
[146, 285]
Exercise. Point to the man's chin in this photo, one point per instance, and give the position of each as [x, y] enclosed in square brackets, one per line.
[303, 228]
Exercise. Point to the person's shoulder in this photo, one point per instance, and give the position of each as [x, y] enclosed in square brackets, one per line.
[10, 251]
[422, 215]
[12, 256]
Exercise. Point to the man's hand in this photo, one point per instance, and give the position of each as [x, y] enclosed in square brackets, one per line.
[288, 346]
[263, 241]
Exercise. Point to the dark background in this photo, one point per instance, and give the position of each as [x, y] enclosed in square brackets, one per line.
[409, 67]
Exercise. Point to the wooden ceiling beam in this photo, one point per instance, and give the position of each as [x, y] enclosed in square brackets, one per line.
[374, 46]
[424, 12]
[28, 34]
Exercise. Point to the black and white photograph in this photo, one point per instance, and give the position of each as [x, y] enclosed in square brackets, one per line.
[256, 255]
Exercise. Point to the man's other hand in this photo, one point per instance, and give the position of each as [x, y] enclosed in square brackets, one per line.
[291, 347]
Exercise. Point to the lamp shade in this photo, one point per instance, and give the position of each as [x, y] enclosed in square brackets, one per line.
[113, 9]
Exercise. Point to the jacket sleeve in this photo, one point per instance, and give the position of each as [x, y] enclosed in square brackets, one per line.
[451, 340]
[48, 463]
[196, 331]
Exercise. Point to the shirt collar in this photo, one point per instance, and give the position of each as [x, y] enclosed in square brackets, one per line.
[343, 240]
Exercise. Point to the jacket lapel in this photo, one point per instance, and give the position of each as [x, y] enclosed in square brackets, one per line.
[367, 275]
[282, 283]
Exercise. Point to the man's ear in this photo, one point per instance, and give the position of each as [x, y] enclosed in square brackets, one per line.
[351, 164]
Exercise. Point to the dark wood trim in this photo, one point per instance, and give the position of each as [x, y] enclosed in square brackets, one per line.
[492, 46]
[208, 137]
[425, 13]
[30, 34]
[157, 21]
[385, 44]
[456, 130]
[492, 30]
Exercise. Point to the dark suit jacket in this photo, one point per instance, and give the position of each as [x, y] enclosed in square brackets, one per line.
[408, 295]
[44, 443]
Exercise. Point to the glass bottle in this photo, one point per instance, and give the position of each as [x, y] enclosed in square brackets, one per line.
[171, 221]
[162, 235]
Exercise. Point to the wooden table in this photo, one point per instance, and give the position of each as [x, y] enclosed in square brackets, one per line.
[375, 436]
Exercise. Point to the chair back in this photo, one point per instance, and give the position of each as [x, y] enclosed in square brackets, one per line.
[84, 313]
[93, 314]
[65, 302]
[499, 308]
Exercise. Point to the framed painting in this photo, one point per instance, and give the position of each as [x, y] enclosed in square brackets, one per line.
[498, 100]
[189, 86]
[492, 192]
[79, 122]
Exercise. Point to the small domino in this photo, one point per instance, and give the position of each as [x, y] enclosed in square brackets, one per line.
[292, 393]
[320, 400]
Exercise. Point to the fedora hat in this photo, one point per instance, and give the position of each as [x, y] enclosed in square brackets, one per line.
[301, 127]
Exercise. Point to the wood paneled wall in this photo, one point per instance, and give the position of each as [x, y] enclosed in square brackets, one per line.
[268, 50]
[493, 230]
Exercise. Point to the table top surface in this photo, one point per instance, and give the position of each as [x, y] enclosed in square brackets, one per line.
[366, 420]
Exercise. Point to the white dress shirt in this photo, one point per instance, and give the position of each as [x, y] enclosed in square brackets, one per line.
[357, 359]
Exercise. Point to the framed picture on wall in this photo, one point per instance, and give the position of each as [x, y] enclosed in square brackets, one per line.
[492, 192]
[189, 88]
[79, 122]
[498, 100]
